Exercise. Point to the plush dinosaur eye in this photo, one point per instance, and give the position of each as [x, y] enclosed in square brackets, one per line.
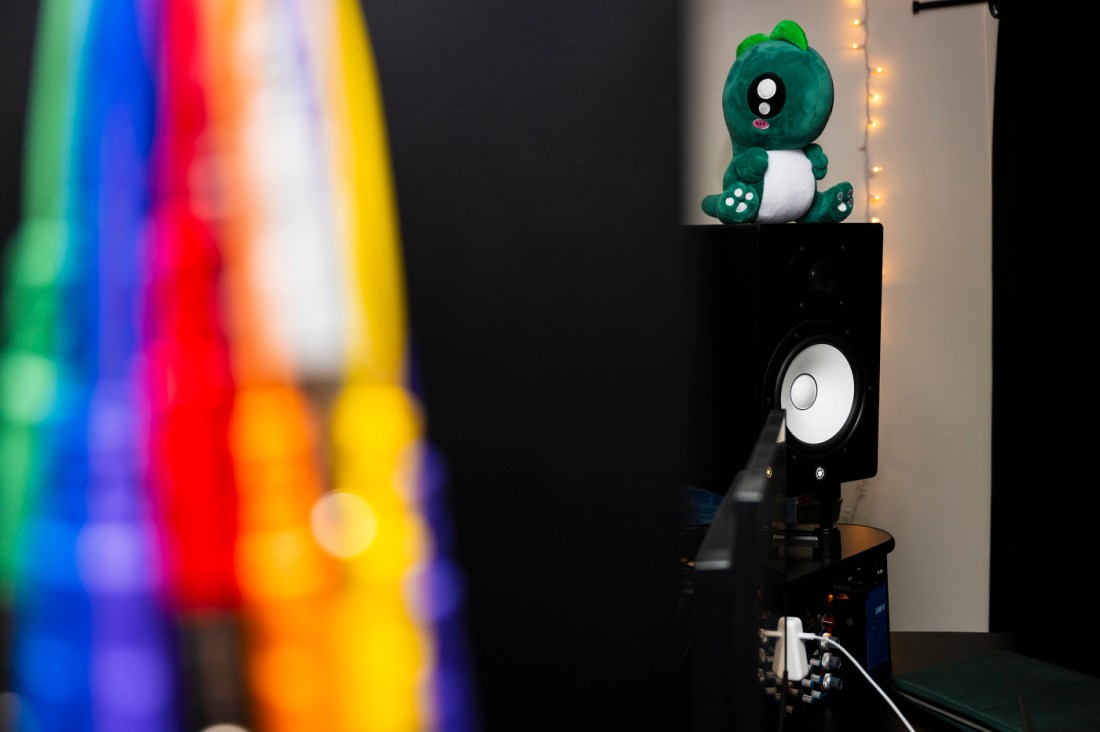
[767, 95]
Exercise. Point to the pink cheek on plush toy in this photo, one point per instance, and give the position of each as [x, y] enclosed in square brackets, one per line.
[760, 124]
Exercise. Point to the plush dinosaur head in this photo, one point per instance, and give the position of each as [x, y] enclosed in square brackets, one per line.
[778, 93]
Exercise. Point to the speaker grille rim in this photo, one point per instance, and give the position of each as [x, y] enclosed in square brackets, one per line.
[791, 347]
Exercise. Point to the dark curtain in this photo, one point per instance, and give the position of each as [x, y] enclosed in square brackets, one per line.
[18, 25]
[1044, 440]
[536, 154]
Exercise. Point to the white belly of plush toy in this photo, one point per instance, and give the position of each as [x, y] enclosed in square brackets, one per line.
[789, 187]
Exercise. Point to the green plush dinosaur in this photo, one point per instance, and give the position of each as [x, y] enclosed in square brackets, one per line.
[777, 99]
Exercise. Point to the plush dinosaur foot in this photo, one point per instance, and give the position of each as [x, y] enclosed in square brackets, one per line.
[831, 206]
[738, 204]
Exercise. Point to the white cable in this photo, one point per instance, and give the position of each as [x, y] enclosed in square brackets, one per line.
[842, 649]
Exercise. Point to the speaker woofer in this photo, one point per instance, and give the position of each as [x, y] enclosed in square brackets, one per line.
[817, 388]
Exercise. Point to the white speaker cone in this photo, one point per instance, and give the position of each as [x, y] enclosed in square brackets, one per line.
[817, 390]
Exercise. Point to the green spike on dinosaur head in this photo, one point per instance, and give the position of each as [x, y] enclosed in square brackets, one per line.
[785, 30]
[788, 30]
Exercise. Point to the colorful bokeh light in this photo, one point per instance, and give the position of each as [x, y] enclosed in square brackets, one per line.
[218, 503]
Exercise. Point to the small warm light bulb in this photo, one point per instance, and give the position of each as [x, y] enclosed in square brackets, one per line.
[876, 198]
[855, 46]
[876, 168]
[856, 21]
[878, 69]
[875, 96]
[872, 124]
[876, 220]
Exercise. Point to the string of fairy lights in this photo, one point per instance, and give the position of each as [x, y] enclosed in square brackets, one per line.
[872, 96]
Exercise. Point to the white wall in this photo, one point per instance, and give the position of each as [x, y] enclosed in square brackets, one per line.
[933, 138]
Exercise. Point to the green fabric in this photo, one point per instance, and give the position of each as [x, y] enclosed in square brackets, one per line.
[35, 268]
[983, 691]
[51, 107]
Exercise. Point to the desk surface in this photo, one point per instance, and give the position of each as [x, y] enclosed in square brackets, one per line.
[861, 707]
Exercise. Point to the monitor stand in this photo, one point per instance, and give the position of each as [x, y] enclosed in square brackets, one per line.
[823, 538]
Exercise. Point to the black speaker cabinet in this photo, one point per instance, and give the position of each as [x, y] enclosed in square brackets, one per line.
[789, 316]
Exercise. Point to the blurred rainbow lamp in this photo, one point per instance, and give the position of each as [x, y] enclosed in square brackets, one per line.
[206, 418]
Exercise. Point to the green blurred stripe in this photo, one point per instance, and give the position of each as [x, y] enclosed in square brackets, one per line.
[36, 265]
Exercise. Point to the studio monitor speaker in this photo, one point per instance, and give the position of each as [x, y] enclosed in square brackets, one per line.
[789, 316]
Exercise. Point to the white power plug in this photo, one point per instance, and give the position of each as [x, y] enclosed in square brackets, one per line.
[789, 657]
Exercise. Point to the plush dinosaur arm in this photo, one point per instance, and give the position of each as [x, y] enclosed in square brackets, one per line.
[818, 160]
[748, 166]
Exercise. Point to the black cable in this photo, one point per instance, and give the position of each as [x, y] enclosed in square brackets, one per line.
[932, 4]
